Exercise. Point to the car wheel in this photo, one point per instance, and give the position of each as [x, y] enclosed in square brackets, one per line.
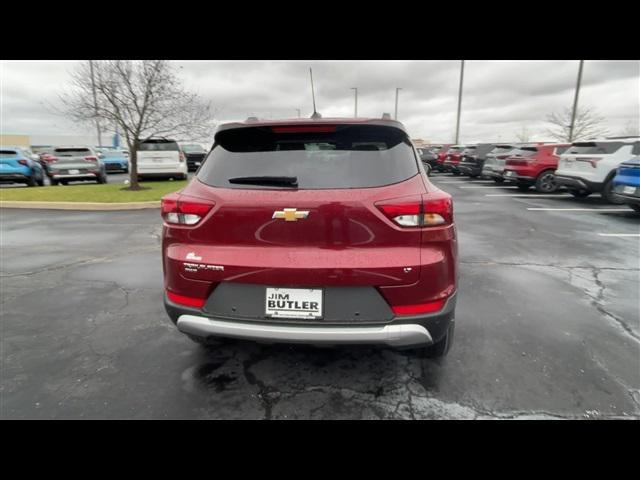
[609, 196]
[579, 193]
[635, 206]
[440, 348]
[523, 187]
[546, 182]
[53, 182]
[64, 182]
[41, 181]
[474, 175]
[498, 180]
[456, 173]
[32, 180]
[427, 168]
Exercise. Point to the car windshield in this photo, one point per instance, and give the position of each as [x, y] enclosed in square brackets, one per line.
[193, 149]
[344, 156]
[501, 149]
[72, 152]
[112, 154]
[524, 151]
[8, 153]
[159, 145]
[593, 147]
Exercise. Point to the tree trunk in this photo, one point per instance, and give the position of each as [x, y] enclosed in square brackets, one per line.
[133, 166]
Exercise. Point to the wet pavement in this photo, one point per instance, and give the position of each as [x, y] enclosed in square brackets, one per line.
[547, 326]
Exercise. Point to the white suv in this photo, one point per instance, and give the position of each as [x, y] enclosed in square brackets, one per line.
[588, 167]
[161, 157]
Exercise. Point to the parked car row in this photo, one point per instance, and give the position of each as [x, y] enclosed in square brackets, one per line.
[156, 158]
[609, 166]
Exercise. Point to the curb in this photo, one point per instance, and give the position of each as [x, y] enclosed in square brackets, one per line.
[80, 205]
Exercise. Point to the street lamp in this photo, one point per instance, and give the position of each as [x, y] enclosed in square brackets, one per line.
[575, 101]
[298, 112]
[397, 90]
[459, 101]
[356, 105]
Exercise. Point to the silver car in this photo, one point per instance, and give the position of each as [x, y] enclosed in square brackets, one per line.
[75, 164]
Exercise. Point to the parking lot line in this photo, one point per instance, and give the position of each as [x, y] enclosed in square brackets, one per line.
[525, 195]
[619, 234]
[485, 186]
[582, 209]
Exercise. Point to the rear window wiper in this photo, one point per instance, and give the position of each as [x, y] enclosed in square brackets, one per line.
[266, 180]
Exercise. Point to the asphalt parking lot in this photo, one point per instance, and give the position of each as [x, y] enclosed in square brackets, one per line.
[547, 325]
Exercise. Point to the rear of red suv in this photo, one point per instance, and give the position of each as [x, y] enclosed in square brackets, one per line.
[534, 166]
[321, 231]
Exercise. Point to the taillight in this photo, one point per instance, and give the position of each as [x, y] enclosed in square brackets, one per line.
[434, 211]
[49, 158]
[91, 158]
[186, 301]
[182, 158]
[418, 308]
[181, 210]
[593, 161]
[23, 162]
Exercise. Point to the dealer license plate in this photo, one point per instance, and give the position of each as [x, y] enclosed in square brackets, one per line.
[293, 303]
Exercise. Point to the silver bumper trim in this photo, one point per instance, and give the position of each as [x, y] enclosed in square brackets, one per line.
[76, 175]
[391, 335]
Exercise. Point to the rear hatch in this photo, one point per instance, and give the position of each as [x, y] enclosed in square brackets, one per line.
[300, 206]
[9, 162]
[521, 156]
[583, 157]
[496, 158]
[158, 154]
[74, 160]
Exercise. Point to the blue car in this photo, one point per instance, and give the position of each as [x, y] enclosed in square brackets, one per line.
[114, 160]
[626, 183]
[17, 165]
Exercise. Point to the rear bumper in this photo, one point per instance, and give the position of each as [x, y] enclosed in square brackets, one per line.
[80, 176]
[401, 331]
[491, 173]
[14, 177]
[517, 176]
[628, 198]
[578, 183]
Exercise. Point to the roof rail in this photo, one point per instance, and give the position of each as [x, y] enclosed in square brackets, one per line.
[252, 119]
[386, 116]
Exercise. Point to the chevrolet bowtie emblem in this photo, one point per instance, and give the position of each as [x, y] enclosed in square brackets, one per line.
[290, 214]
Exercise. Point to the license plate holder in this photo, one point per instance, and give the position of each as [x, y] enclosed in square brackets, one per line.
[301, 303]
[74, 172]
[629, 189]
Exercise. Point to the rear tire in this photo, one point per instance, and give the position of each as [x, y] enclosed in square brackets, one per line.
[579, 193]
[635, 206]
[498, 180]
[427, 168]
[609, 196]
[523, 187]
[457, 174]
[41, 181]
[546, 182]
[32, 180]
[438, 349]
[54, 182]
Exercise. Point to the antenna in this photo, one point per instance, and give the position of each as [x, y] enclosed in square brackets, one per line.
[313, 96]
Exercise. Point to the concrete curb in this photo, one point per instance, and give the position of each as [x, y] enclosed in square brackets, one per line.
[80, 205]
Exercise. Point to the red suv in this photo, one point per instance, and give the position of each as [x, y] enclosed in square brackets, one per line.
[452, 159]
[322, 231]
[535, 165]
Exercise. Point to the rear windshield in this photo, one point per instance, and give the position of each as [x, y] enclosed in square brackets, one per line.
[501, 149]
[113, 154]
[594, 147]
[8, 153]
[193, 149]
[158, 146]
[560, 150]
[524, 151]
[469, 150]
[72, 152]
[352, 156]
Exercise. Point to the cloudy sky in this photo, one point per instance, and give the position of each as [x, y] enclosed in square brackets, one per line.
[499, 99]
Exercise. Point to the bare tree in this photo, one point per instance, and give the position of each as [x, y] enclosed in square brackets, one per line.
[524, 135]
[144, 98]
[631, 129]
[588, 124]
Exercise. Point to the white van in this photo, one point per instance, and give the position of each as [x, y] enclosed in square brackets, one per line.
[161, 158]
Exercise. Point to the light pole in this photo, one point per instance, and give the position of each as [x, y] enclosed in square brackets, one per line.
[575, 101]
[95, 102]
[459, 101]
[356, 105]
[298, 110]
[397, 90]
